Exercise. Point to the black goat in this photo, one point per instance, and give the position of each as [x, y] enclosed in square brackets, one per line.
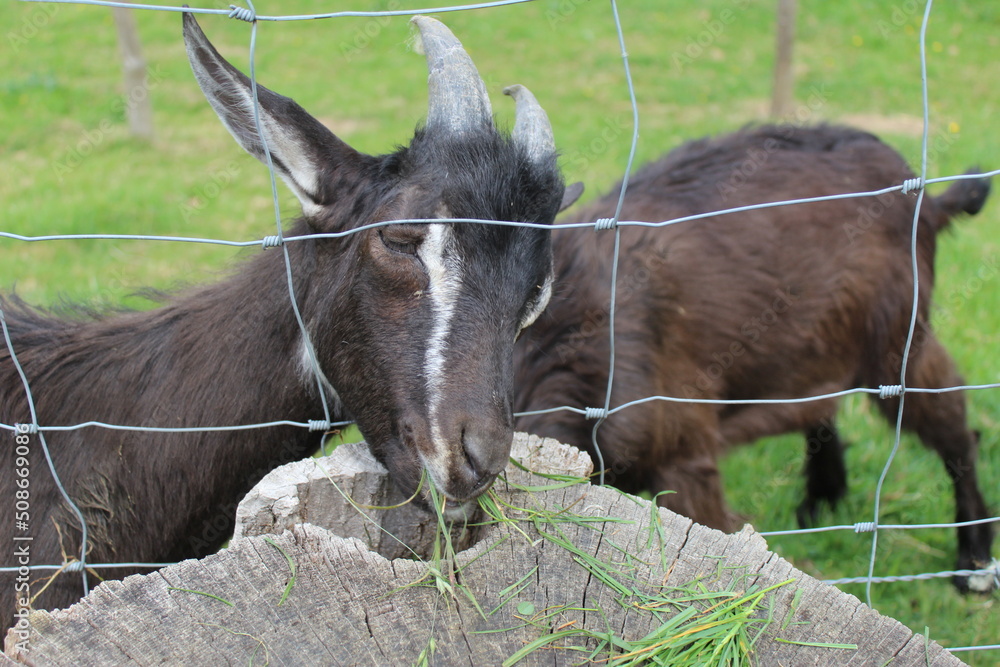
[776, 303]
[413, 327]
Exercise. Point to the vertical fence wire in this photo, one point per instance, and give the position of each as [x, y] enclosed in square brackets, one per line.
[613, 223]
[317, 372]
[33, 428]
[598, 413]
[914, 305]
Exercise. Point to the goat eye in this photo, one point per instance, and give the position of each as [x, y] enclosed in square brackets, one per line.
[404, 244]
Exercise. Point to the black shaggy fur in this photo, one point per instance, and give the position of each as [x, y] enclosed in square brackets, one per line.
[230, 353]
[226, 354]
[775, 303]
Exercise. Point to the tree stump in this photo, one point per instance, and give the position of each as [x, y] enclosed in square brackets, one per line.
[288, 591]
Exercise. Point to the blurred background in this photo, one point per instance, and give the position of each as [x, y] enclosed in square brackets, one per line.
[72, 164]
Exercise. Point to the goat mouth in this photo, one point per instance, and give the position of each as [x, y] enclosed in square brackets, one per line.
[458, 510]
[468, 498]
[482, 486]
[453, 508]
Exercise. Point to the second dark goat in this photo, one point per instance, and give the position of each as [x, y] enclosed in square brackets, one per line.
[785, 302]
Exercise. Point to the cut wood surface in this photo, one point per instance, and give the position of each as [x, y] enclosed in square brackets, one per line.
[290, 592]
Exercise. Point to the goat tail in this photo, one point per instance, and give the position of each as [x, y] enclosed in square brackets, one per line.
[965, 196]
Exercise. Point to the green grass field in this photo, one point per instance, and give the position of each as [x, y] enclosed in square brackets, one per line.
[69, 166]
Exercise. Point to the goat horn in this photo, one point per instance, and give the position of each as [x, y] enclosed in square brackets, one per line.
[457, 99]
[532, 129]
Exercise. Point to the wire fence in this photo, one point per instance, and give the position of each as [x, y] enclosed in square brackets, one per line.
[611, 225]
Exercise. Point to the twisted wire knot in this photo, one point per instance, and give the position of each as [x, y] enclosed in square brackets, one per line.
[73, 566]
[272, 241]
[890, 390]
[864, 527]
[242, 14]
[319, 425]
[595, 413]
[604, 224]
[912, 185]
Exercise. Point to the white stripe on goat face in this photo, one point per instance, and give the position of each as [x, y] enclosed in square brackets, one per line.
[444, 267]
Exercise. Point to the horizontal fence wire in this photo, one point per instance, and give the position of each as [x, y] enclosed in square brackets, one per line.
[597, 413]
[249, 15]
[272, 241]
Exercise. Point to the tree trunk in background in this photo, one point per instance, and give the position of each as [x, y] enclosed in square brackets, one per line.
[782, 101]
[138, 108]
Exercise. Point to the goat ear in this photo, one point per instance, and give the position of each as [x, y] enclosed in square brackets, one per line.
[570, 195]
[300, 145]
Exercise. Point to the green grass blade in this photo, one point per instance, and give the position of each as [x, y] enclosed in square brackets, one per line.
[851, 647]
[291, 566]
[208, 595]
[533, 646]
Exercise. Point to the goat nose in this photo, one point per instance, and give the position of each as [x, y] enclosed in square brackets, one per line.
[487, 450]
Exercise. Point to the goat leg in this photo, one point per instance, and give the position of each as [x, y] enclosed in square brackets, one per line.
[825, 472]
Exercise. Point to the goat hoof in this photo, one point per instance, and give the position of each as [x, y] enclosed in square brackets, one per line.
[983, 584]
